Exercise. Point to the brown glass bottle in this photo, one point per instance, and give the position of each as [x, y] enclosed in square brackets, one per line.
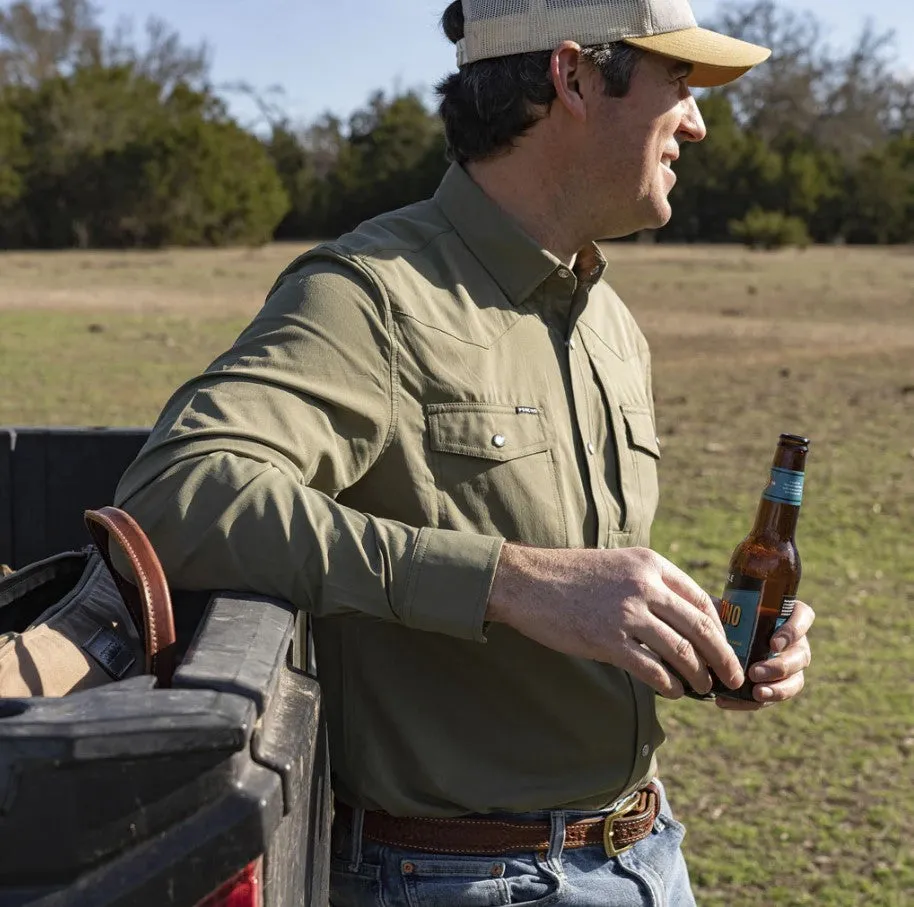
[765, 569]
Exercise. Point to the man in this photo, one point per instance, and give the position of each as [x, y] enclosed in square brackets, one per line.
[438, 438]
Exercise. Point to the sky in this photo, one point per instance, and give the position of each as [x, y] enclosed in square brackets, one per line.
[330, 55]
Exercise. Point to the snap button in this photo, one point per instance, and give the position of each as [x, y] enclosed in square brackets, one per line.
[646, 750]
[499, 441]
[590, 448]
[564, 273]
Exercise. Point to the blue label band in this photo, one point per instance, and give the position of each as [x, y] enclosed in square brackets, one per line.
[785, 487]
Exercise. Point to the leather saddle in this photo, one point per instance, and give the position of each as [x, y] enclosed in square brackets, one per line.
[72, 622]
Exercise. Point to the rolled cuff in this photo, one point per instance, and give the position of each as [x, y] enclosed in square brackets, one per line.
[449, 583]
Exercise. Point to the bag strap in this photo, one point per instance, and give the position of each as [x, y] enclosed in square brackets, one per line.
[149, 601]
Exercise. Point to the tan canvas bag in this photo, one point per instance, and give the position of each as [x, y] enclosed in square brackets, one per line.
[72, 622]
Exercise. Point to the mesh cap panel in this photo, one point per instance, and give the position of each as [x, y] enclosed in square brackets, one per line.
[499, 28]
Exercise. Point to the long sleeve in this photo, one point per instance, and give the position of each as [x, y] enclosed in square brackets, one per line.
[237, 485]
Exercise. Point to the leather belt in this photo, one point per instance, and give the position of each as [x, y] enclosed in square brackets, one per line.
[616, 831]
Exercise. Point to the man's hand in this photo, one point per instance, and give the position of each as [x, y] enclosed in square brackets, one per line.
[627, 607]
[780, 678]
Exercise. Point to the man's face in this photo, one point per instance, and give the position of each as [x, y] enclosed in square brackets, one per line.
[634, 142]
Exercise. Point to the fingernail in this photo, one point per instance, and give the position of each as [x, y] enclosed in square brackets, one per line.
[765, 693]
[778, 644]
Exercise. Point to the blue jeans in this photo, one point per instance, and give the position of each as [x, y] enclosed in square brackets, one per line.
[652, 874]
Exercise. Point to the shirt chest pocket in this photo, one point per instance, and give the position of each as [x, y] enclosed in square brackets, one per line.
[494, 471]
[639, 454]
[630, 420]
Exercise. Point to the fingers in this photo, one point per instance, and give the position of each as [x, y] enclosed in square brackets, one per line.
[685, 587]
[696, 642]
[782, 677]
[765, 694]
[780, 692]
[795, 629]
[702, 625]
[776, 679]
[647, 667]
[790, 662]
[678, 653]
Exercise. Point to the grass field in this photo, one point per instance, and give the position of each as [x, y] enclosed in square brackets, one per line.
[811, 803]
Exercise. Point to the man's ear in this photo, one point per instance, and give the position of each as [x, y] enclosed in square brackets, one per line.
[568, 74]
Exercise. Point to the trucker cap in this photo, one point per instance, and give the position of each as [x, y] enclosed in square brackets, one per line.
[499, 28]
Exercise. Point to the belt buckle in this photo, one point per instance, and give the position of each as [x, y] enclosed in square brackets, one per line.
[608, 844]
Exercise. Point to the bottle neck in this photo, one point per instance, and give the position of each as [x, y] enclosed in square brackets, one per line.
[779, 507]
[776, 520]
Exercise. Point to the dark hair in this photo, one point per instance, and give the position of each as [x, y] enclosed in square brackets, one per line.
[488, 104]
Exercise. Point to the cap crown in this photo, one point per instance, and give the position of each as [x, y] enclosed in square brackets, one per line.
[499, 28]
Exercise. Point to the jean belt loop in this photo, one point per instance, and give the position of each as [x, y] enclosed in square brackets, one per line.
[355, 840]
[556, 838]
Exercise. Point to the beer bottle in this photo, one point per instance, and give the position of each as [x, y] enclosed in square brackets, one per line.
[764, 573]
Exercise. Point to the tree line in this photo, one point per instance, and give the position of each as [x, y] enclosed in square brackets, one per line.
[119, 140]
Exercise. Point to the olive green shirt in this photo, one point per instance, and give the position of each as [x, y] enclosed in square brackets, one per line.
[409, 397]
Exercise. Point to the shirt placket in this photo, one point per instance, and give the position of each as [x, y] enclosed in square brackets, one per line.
[586, 421]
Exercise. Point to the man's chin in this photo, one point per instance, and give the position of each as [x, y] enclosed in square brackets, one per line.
[663, 213]
[653, 216]
[660, 218]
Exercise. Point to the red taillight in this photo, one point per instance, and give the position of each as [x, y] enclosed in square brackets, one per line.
[242, 890]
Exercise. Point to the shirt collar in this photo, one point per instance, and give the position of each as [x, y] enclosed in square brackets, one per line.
[590, 264]
[517, 263]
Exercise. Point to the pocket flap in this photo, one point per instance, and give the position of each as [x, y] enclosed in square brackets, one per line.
[487, 430]
[641, 430]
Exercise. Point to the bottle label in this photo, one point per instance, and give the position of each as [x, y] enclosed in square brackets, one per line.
[739, 609]
[785, 487]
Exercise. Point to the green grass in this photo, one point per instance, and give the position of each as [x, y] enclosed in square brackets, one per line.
[809, 803]
[76, 368]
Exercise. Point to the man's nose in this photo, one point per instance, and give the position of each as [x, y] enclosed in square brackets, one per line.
[692, 128]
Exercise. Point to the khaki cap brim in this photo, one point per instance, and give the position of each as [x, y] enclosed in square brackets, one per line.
[717, 59]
